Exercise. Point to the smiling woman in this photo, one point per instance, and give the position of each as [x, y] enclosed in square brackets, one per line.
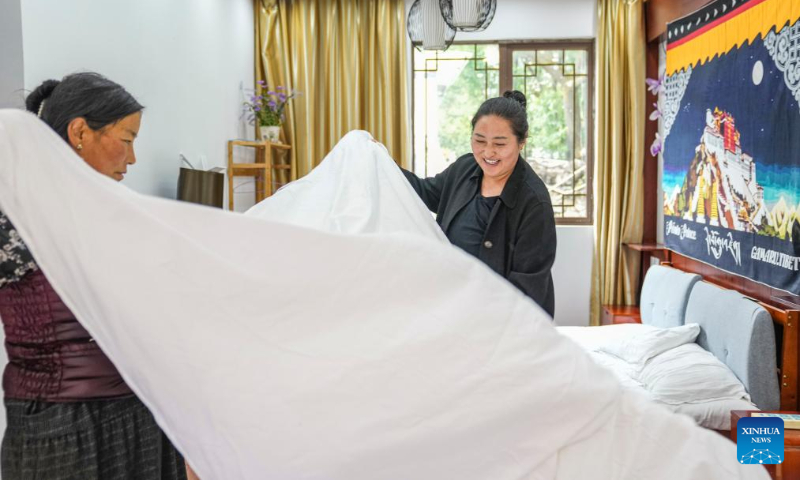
[493, 205]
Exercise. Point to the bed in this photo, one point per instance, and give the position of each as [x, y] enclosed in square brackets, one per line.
[742, 354]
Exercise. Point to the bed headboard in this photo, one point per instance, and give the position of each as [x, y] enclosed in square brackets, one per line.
[782, 359]
[739, 332]
[665, 294]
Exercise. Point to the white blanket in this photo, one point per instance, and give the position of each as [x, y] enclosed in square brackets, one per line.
[270, 350]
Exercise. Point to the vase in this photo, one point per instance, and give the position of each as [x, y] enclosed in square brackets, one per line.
[271, 133]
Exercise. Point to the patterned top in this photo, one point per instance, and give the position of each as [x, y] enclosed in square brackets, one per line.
[15, 258]
[51, 357]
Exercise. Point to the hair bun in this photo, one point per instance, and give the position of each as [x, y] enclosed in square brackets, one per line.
[517, 96]
[40, 94]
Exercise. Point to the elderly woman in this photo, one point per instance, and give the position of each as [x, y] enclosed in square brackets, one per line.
[69, 412]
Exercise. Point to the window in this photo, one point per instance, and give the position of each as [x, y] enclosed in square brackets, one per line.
[557, 80]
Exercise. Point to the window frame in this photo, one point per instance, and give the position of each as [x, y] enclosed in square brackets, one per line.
[506, 52]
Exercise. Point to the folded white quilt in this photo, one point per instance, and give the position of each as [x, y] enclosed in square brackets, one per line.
[272, 351]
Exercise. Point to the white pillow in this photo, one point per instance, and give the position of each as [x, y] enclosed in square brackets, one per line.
[638, 349]
[688, 374]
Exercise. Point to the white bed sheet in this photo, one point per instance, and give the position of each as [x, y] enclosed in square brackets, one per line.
[592, 338]
[268, 350]
[714, 414]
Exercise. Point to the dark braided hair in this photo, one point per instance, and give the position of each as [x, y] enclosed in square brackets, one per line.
[89, 95]
[511, 106]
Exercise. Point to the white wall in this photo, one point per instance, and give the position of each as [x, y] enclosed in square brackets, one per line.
[545, 20]
[11, 63]
[572, 274]
[184, 60]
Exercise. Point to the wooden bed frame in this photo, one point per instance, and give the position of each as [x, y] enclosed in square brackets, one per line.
[786, 336]
[784, 309]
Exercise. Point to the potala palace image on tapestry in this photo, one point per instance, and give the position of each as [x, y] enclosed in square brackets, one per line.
[721, 186]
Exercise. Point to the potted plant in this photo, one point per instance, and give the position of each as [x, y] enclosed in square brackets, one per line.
[267, 108]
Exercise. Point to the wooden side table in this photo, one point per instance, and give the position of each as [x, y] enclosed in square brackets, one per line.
[261, 169]
[790, 468]
[615, 314]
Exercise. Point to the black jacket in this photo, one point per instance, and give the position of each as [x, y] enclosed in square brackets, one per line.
[520, 240]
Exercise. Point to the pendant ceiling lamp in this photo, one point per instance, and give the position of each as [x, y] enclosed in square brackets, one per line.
[468, 15]
[425, 25]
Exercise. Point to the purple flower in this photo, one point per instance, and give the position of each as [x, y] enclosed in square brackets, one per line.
[656, 113]
[282, 97]
[655, 86]
[257, 108]
[271, 93]
[280, 87]
[254, 99]
[272, 104]
[261, 82]
[657, 146]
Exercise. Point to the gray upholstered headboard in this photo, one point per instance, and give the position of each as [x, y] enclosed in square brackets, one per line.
[665, 293]
[741, 334]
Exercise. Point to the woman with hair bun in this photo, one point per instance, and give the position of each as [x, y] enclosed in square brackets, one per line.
[493, 205]
[70, 414]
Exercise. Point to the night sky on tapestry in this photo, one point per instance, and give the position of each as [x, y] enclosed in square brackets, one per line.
[767, 115]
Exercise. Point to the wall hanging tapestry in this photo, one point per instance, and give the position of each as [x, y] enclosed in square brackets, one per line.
[731, 122]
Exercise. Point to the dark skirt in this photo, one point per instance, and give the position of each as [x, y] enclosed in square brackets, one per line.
[96, 440]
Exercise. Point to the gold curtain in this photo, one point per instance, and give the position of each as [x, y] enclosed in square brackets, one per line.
[620, 152]
[348, 58]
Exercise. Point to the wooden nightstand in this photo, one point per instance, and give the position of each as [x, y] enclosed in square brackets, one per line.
[614, 314]
[790, 468]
